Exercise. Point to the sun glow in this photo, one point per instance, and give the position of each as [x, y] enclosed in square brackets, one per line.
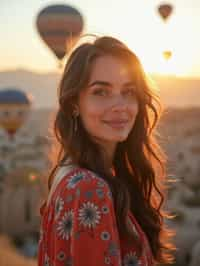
[173, 66]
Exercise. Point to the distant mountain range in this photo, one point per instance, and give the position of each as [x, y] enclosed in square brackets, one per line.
[174, 91]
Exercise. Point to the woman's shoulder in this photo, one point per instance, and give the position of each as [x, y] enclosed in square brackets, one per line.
[81, 177]
[71, 176]
[83, 186]
[76, 182]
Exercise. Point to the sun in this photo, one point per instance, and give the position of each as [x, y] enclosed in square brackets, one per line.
[153, 37]
[177, 65]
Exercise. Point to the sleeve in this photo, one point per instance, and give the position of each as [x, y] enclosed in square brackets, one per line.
[85, 228]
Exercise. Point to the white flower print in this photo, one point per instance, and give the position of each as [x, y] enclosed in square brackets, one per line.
[77, 177]
[65, 225]
[105, 209]
[107, 260]
[46, 260]
[100, 183]
[131, 259]
[145, 259]
[59, 203]
[89, 215]
[61, 255]
[109, 194]
[41, 234]
[105, 235]
[49, 216]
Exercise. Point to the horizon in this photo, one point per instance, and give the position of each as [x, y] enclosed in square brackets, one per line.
[173, 90]
[57, 72]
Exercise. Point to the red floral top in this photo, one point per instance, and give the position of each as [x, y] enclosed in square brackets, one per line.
[78, 227]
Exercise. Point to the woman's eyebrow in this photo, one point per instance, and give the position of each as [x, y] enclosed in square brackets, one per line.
[100, 82]
[129, 83]
[108, 84]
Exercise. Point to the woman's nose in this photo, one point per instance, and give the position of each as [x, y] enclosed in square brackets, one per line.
[119, 103]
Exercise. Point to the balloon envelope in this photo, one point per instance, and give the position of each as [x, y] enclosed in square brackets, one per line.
[165, 11]
[60, 27]
[167, 55]
[14, 108]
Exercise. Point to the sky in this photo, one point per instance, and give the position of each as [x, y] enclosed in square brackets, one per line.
[135, 22]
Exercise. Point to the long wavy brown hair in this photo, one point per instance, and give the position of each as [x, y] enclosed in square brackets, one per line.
[139, 162]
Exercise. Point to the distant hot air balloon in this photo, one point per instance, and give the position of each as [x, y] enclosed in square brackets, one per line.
[167, 55]
[60, 27]
[14, 108]
[165, 11]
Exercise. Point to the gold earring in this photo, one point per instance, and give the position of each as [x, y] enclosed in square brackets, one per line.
[75, 119]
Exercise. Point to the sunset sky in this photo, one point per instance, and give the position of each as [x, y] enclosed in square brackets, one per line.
[135, 22]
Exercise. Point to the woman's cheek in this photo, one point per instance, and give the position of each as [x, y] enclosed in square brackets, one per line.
[134, 107]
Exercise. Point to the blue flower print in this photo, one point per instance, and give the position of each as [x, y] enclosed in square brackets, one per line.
[88, 194]
[100, 193]
[113, 249]
[75, 179]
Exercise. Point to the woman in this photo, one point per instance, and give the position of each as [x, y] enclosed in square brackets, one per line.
[106, 193]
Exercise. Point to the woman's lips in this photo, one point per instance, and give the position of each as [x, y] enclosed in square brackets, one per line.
[118, 124]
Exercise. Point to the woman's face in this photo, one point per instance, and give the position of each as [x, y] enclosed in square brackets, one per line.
[108, 105]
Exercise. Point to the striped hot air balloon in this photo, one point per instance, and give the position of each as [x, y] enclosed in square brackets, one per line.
[165, 11]
[60, 26]
[14, 108]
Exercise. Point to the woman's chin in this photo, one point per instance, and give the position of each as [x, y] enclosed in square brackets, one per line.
[117, 139]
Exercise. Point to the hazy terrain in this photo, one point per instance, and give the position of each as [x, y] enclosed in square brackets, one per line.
[174, 91]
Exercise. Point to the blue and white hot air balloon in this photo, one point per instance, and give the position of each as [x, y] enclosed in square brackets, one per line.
[14, 108]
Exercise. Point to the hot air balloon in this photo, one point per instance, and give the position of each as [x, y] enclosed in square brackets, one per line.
[14, 108]
[60, 27]
[167, 55]
[165, 11]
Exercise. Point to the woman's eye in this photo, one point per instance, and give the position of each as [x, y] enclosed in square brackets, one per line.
[129, 92]
[101, 92]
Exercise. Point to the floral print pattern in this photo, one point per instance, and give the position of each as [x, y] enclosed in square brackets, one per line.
[74, 179]
[89, 215]
[64, 227]
[59, 203]
[79, 227]
[131, 259]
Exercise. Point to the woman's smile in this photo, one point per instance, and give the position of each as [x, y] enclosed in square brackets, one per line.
[116, 124]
